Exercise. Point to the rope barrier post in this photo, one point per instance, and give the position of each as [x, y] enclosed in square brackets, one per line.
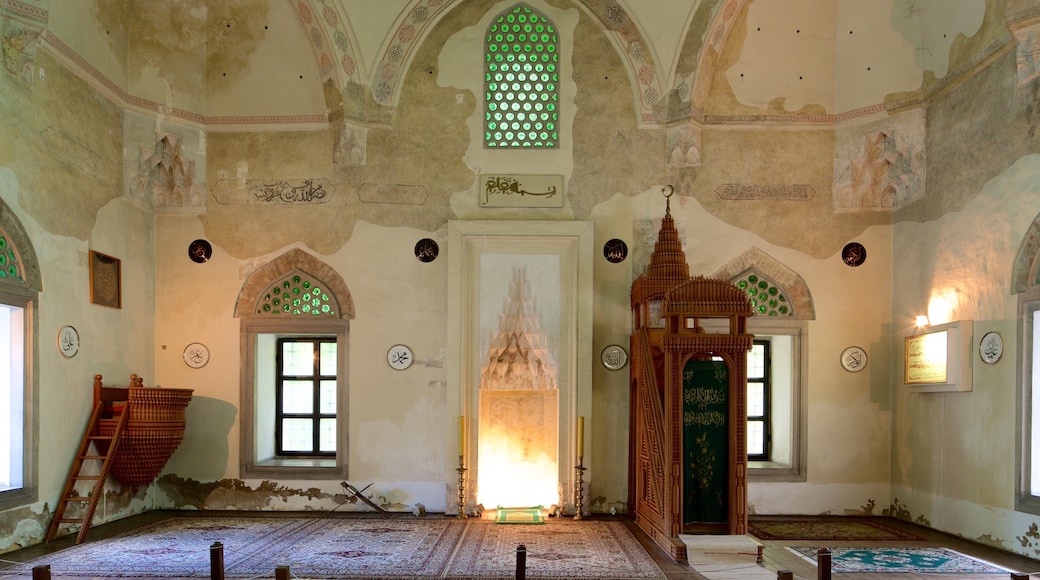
[216, 561]
[823, 564]
[42, 572]
[784, 575]
[521, 562]
[282, 573]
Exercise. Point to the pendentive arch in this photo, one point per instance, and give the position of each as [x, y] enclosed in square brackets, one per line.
[628, 39]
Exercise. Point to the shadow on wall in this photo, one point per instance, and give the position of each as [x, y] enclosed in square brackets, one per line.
[203, 454]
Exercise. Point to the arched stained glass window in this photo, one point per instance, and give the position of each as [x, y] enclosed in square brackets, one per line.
[767, 299]
[521, 80]
[297, 295]
[10, 262]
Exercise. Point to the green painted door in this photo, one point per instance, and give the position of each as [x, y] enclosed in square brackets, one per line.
[705, 441]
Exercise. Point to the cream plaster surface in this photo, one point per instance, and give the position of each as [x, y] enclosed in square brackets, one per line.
[937, 258]
[805, 30]
[872, 59]
[260, 62]
[931, 26]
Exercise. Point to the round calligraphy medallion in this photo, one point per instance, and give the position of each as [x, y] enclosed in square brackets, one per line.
[200, 251]
[853, 359]
[854, 254]
[615, 251]
[426, 250]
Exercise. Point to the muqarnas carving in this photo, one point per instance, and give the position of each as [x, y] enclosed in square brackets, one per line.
[684, 145]
[167, 178]
[351, 145]
[881, 170]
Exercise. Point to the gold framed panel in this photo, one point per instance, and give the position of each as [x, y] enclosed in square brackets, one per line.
[106, 280]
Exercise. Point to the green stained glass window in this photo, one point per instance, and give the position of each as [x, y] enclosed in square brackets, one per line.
[8, 260]
[767, 299]
[296, 296]
[521, 80]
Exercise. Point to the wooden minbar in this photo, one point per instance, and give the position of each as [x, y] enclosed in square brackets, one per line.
[688, 448]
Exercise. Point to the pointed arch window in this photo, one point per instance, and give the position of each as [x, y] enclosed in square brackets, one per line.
[521, 80]
[19, 288]
[777, 364]
[295, 314]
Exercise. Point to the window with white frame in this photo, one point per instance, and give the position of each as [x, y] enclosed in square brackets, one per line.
[779, 388]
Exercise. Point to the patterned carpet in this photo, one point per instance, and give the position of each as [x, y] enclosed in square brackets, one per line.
[902, 560]
[362, 548]
[840, 528]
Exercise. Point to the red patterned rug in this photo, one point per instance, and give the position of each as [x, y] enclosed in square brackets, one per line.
[361, 548]
[842, 528]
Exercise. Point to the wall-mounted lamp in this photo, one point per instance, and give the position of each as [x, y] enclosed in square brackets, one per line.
[921, 321]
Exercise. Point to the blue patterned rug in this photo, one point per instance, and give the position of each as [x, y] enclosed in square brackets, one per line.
[902, 560]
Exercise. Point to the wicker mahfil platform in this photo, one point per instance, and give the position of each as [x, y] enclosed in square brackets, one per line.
[154, 430]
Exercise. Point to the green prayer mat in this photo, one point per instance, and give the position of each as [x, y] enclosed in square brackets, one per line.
[531, 515]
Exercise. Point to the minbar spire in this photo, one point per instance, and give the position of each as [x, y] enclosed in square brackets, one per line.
[668, 267]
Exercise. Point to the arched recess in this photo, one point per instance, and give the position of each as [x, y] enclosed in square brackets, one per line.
[251, 294]
[295, 303]
[419, 17]
[754, 260]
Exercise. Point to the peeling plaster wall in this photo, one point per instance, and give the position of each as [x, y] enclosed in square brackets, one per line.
[66, 154]
[61, 175]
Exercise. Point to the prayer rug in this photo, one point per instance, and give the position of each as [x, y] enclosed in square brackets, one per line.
[902, 560]
[519, 516]
[836, 528]
[401, 548]
[559, 549]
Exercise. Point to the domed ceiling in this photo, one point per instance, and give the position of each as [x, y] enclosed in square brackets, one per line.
[296, 63]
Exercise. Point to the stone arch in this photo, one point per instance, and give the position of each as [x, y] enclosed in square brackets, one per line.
[754, 259]
[18, 252]
[1024, 270]
[294, 260]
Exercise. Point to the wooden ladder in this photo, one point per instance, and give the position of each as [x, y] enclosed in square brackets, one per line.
[104, 450]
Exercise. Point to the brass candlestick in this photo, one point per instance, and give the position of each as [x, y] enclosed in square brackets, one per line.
[579, 493]
[462, 489]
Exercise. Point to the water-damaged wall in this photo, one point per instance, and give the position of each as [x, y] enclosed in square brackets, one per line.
[751, 178]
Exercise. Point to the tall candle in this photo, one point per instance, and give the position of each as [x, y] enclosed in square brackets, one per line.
[462, 435]
[581, 436]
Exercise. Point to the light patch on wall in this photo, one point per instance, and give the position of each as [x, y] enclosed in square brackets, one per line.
[788, 54]
[931, 26]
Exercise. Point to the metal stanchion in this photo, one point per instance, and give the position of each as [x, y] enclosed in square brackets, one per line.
[216, 561]
[823, 564]
[521, 562]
